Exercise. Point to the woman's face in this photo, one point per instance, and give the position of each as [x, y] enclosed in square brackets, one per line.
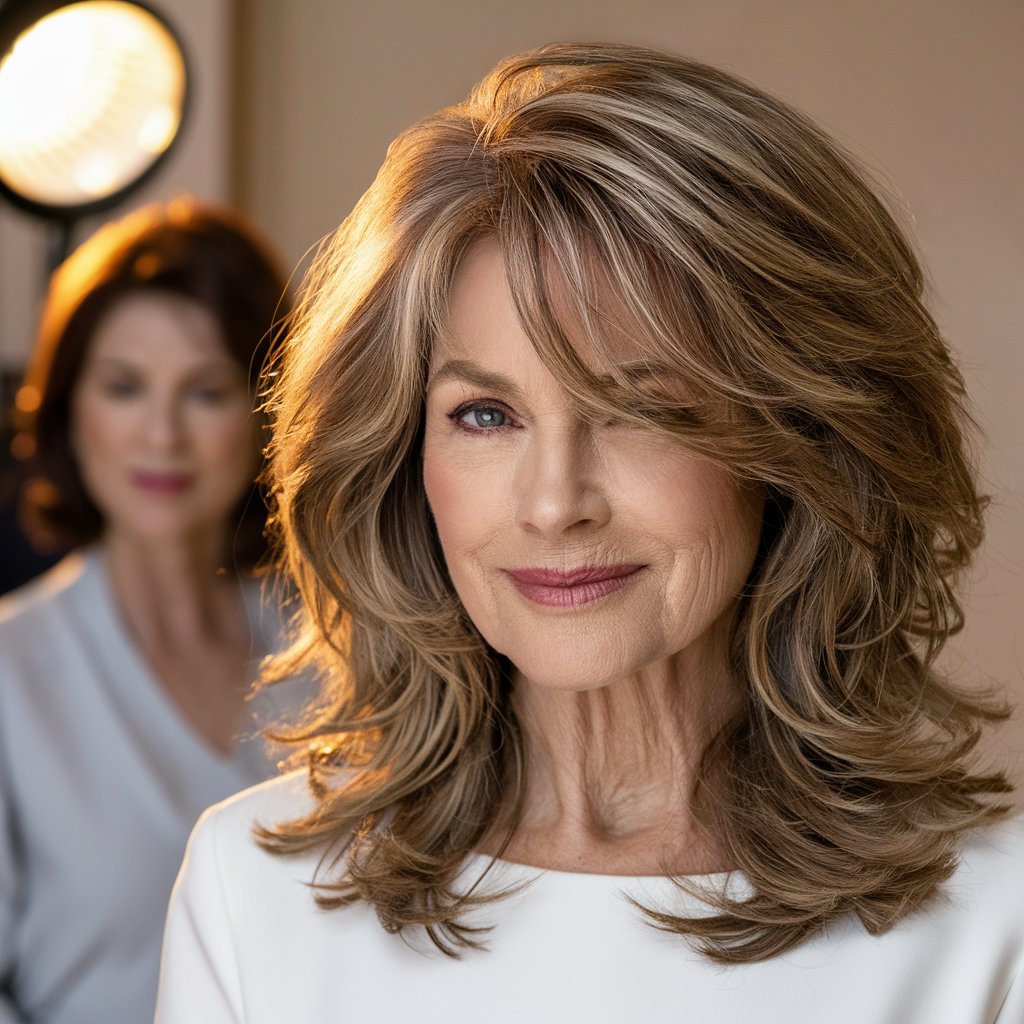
[584, 553]
[161, 420]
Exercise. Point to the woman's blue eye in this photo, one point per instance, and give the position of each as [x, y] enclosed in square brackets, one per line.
[487, 417]
[120, 389]
[482, 417]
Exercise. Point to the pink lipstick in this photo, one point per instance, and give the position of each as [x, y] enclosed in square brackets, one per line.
[573, 588]
[162, 483]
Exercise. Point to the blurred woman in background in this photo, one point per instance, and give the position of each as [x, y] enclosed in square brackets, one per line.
[124, 670]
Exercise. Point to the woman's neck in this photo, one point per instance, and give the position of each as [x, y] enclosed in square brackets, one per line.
[609, 772]
[189, 622]
[174, 591]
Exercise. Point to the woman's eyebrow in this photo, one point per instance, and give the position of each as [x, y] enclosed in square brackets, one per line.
[468, 372]
[114, 362]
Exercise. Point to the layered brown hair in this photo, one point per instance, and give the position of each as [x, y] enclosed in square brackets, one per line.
[209, 254]
[740, 247]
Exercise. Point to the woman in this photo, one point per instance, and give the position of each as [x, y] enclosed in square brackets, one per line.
[629, 585]
[124, 670]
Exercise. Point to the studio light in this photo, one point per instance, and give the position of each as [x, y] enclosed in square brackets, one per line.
[92, 97]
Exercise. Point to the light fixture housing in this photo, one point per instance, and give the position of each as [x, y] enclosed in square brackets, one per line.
[93, 94]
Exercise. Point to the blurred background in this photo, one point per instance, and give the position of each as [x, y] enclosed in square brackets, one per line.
[293, 105]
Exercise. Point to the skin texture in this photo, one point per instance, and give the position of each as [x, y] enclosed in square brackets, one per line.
[620, 689]
[166, 445]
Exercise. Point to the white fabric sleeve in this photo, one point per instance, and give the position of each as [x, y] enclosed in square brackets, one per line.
[1012, 1010]
[9, 1013]
[198, 971]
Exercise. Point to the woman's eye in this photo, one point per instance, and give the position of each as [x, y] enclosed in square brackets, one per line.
[481, 418]
[211, 396]
[120, 388]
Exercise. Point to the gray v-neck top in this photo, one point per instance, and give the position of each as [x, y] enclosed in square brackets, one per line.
[101, 780]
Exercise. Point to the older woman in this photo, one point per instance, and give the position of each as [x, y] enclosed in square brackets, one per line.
[124, 671]
[623, 475]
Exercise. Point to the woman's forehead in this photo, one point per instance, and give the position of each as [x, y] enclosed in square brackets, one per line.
[603, 334]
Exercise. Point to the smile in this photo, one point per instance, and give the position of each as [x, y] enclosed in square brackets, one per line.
[573, 588]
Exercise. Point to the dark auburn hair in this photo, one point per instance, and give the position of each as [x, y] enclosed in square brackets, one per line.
[746, 252]
[208, 254]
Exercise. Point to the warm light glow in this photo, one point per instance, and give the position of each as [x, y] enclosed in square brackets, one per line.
[88, 96]
[97, 176]
[35, 102]
[158, 129]
[23, 446]
[27, 398]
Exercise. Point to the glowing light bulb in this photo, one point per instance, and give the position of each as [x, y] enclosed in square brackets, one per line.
[89, 96]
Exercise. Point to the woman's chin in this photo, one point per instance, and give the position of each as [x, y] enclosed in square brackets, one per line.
[570, 675]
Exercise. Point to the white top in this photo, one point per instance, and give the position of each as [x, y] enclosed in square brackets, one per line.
[245, 942]
[101, 780]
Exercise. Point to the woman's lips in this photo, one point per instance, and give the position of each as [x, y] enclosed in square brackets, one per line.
[573, 588]
[162, 483]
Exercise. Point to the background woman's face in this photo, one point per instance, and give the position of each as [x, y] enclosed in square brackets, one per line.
[161, 420]
[583, 552]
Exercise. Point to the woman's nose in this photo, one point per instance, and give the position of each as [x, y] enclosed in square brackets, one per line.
[559, 484]
[163, 428]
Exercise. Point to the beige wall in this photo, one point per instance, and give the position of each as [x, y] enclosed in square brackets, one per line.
[927, 91]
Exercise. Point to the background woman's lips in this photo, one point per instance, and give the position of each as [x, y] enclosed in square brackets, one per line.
[162, 483]
[556, 588]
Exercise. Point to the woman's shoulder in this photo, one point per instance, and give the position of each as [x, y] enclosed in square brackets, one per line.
[991, 867]
[285, 795]
[225, 861]
[229, 826]
[38, 599]
[975, 923]
[990, 863]
[33, 618]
